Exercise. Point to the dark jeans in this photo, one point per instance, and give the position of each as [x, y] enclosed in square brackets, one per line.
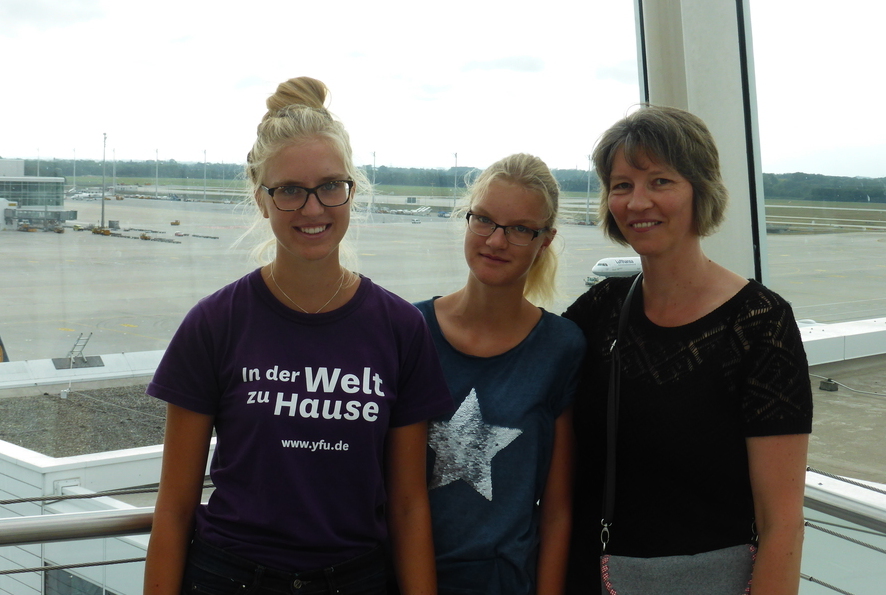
[213, 571]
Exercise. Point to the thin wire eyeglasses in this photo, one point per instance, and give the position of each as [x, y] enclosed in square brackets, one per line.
[292, 197]
[518, 235]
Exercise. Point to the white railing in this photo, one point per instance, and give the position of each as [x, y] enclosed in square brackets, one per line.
[852, 539]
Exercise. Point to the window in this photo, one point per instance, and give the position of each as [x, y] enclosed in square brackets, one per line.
[468, 86]
[823, 156]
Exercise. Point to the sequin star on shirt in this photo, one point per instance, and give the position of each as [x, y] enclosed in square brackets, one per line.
[465, 446]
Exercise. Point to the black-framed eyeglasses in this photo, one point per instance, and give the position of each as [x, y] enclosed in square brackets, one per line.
[291, 197]
[518, 235]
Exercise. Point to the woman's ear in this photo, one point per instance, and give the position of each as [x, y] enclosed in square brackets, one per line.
[549, 237]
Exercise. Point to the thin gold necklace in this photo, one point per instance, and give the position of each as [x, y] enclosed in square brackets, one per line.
[341, 283]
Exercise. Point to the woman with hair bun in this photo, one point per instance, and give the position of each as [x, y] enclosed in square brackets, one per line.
[511, 368]
[318, 384]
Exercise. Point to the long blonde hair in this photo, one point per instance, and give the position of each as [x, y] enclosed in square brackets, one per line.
[530, 172]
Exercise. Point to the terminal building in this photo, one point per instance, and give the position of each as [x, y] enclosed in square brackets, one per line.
[31, 203]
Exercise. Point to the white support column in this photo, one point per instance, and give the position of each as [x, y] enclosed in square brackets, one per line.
[697, 55]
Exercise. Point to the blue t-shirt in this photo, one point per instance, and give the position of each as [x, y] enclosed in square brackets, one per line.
[489, 460]
[302, 406]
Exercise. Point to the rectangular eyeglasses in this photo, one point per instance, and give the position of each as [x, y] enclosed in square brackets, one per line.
[292, 198]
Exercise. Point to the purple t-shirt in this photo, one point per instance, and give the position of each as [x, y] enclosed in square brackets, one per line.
[302, 405]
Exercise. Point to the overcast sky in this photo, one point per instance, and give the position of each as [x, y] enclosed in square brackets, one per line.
[414, 82]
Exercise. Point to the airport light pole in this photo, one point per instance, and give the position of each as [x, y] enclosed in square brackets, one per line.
[156, 172]
[455, 182]
[204, 175]
[372, 190]
[588, 201]
[75, 170]
[104, 147]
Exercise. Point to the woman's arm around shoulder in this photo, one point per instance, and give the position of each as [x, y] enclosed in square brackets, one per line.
[185, 449]
[556, 511]
[408, 510]
[778, 480]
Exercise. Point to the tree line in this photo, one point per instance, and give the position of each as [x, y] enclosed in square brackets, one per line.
[802, 186]
[64, 168]
[571, 180]
[795, 186]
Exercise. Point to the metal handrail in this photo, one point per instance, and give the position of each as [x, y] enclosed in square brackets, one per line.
[844, 508]
[137, 521]
[134, 521]
[71, 566]
[844, 537]
[863, 512]
[75, 525]
[90, 495]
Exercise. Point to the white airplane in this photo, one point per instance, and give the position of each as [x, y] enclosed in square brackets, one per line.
[623, 266]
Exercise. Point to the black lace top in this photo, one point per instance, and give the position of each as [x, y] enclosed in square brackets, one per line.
[690, 396]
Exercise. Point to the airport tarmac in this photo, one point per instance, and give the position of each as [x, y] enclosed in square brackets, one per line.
[131, 294]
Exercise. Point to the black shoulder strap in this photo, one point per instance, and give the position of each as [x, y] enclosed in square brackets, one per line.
[612, 415]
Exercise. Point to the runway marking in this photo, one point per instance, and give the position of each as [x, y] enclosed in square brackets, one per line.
[843, 303]
[66, 329]
[130, 325]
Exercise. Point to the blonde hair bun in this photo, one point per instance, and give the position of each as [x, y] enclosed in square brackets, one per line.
[302, 91]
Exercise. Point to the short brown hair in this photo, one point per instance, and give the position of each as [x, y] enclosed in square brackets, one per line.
[672, 137]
